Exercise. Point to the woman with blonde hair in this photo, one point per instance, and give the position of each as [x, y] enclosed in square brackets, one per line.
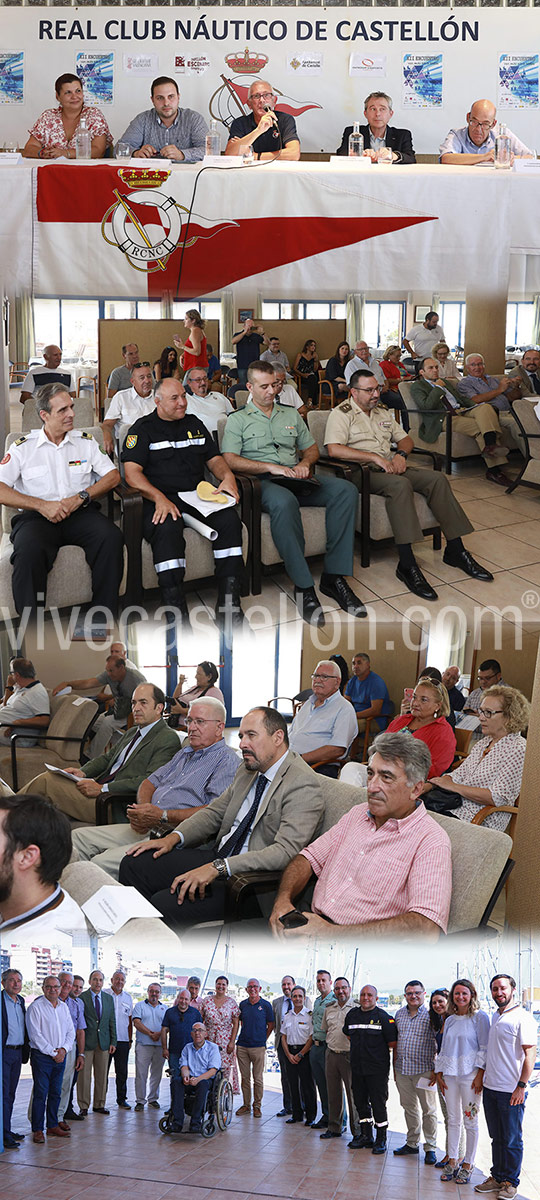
[459, 1068]
[392, 368]
[425, 717]
[194, 348]
[491, 773]
[447, 365]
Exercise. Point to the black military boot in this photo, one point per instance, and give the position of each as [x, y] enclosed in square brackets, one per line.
[229, 612]
[173, 597]
[380, 1142]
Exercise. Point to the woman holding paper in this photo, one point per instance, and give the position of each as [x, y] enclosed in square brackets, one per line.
[54, 134]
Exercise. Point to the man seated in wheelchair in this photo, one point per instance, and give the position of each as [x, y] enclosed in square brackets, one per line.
[199, 1063]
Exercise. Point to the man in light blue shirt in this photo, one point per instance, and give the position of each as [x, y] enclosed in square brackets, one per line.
[325, 726]
[475, 142]
[167, 131]
[148, 1018]
[199, 1063]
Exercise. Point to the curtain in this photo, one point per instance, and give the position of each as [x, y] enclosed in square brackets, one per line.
[22, 343]
[356, 306]
[536, 320]
[226, 323]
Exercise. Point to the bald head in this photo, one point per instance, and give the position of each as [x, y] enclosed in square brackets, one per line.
[480, 121]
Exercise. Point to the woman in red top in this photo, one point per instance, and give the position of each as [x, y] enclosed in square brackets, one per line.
[392, 368]
[194, 348]
[429, 708]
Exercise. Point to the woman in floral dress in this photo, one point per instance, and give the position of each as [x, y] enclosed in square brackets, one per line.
[221, 1016]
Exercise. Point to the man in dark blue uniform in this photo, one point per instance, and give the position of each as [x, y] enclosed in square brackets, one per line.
[272, 134]
[167, 452]
[372, 1033]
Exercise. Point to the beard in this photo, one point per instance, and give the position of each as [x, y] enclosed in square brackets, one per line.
[6, 880]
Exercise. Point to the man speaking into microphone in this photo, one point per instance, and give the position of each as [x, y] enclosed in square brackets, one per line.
[271, 134]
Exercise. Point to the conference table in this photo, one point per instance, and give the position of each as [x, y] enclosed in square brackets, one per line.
[308, 229]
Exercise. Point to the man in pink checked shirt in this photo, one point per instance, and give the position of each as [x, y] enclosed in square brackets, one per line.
[385, 868]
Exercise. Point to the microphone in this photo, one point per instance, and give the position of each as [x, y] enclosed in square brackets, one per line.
[275, 130]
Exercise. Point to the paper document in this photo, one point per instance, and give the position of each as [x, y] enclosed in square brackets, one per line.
[60, 771]
[112, 906]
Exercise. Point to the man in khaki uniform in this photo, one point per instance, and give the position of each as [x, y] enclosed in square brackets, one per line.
[360, 430]
[338, 1062]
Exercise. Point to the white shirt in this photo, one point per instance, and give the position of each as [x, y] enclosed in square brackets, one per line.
[40, 375]
[358, 364]
[464, 1044]
[127, 406]
[297, 1027]
[36, 466]
[510, 1031]
[65, 918]
[424, 339]
[123, 1010]
[332, 723]
[245, 807]
[288, 397]
[25, 702]
[49, 1028]
[209, 409]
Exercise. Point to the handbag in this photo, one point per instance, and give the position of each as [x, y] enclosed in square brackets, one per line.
[439, 800]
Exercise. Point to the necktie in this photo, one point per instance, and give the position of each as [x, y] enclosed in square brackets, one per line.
[288, 1005]
[97, 1003]
[535, 382]
[119, 762]
[236, 840]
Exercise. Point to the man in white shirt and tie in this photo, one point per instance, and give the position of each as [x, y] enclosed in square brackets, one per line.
[50, 1030]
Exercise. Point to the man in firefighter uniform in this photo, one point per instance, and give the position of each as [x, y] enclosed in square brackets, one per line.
[372, 1034]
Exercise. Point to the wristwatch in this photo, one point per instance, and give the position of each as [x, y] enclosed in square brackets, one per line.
[220, 866]
[85, 497]
[402, 453]
[521, 1083]
[164, 818]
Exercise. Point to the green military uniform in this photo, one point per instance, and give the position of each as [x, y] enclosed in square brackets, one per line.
[281, 438]
[374, 433]
[476, 422]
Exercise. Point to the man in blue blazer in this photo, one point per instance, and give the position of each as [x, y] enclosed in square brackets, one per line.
[15, 1049]
[378, 133]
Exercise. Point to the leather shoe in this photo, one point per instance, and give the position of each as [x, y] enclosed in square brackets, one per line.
[39, 1137]
[416, 582]
[430, 1158]
[309, 606]
[407, 1150]
[123, 1104]
[71, 1115]
[19, 1137]
[64, 1125]
[338, 589]
[284, 1112]
[104, 1111]
[495, 475]
[293, 1121]
[11, 1143]
[57, 1131]
[468, 564]
[328, 1134]
[322, 1123]
[83, 1112]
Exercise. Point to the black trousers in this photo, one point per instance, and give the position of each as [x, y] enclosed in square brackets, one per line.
[282, 1060]
[169, 547]
[300, 1077]
[120, 1059]
[370, 1097]
[36, 543]
[153, 877]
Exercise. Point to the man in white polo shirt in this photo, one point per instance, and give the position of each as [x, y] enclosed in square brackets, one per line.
[130, 404]
[511, 1055]
[123, 1014]
[325, 726]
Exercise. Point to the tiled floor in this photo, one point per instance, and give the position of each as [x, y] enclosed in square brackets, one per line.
[124, 1155]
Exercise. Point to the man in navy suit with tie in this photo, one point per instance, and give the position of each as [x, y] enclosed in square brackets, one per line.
[100, 1043]
[15, 1049]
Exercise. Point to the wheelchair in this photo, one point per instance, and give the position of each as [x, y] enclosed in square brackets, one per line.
[218, 1109]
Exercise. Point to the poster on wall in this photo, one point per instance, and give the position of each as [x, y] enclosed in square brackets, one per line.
[12, 77]
[143, 65]
[518, 81]
[96, 72]
[422, 80]
[367, 64]
[305, 63]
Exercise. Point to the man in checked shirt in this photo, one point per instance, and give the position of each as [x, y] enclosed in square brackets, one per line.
[415, 1056]
[385, 868]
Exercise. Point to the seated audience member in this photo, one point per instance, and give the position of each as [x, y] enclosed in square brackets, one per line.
[479, 421]
[199, 1062]
[194, 348]
[214, 364]
[54, 134]
[378, 134]
[392, 369]
[479, 386]
[229, 836]
[271, 134]
[436, 675]
[475, 142]
[41, 467]
[166, 366]
[120, 772]
[491, 773]
[489, 674]
[195, 776]
[363, 359]
[334, 371]
[51, 372]
[36, 841]
[360, 430]
[166, 130]
[201, 402]
[392, 889]
[325, 726]
[285, 394]
[122, 680]
[447, 365]
[426, 720]
[307, 365]
[450, 678]
[247, 342]
[368, 695]
[421, 338]
[120, 377]
[128, 405]
[265, 439]
[206, 677]
[528, 373]
[275, 355]
[25, 700]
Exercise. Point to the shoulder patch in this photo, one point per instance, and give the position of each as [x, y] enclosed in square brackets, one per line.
[345, 407]
[131, 441]
[6, 459]
[19, 441]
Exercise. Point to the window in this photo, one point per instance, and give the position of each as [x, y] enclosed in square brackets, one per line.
[120, 310]
[47, 324]
[148, 310]
[70, 324]
[519, 323]
[303, 310]
[452, 318]
[384, 323]
[210, 310]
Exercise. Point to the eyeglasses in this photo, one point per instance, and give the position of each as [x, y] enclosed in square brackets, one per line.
[489, 712]
[265, 96]
[367, 391]
[483, 677]
[481, 124]
[324, 677]
[197, 721]
[140, 364]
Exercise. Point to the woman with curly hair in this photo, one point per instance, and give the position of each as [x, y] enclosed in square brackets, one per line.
[491, 773]
[459, 1067]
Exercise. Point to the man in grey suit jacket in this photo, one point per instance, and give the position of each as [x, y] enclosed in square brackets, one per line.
[100, 1043]
[257, 824]
[282, 1005]
[528, 373]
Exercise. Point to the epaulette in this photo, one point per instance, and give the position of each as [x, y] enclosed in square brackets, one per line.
[346, 406]
[88, 436]
[19, 441]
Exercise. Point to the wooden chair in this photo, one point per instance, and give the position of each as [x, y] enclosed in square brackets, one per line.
[88, 383]
[488, 809]
[463, 744]
[17, 373]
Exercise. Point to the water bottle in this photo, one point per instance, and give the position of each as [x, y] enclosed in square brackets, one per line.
[213, 141]
[83, 141]
[248, 156]
[356, 142]
[503, 152]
